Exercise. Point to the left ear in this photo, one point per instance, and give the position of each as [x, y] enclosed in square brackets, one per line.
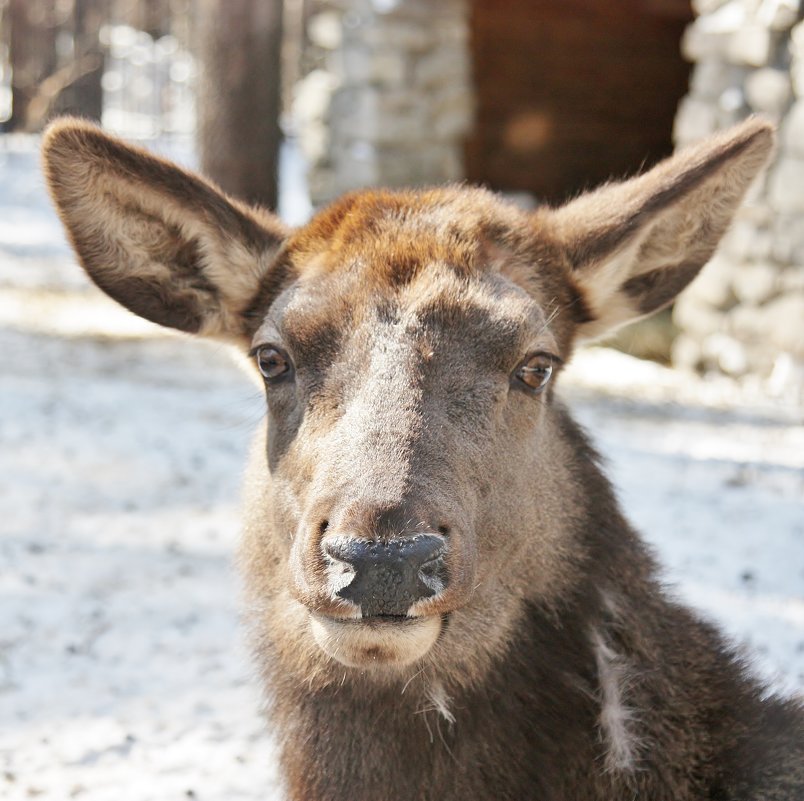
[633, 246]
[165, 243]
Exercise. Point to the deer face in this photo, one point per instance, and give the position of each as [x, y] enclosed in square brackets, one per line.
[407, 380]
[415, 486]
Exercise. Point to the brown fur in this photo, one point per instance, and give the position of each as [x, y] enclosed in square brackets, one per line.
[551, 664]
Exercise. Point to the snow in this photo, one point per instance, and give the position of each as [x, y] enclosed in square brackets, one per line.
[718, 491]
[123, 673]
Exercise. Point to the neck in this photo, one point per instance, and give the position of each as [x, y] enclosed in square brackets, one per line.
[422, 738]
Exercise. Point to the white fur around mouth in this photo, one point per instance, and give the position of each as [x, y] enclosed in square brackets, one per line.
[372, 642]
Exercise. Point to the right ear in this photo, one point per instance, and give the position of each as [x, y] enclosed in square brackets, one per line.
[163, 242]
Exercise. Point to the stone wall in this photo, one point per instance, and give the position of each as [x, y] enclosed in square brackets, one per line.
[745, 314]
[391, 103]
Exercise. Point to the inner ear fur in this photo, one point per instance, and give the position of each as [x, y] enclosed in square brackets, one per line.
[162, 241]
[633, 246]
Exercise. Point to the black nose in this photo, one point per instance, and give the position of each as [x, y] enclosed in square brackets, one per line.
[391, 575]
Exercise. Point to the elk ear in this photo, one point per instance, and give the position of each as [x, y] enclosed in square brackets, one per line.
[163, 242]
[633, 246]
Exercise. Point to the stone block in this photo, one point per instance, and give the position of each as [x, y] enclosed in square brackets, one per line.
[698, 44]
[760, 247]
[696, 317]
[728, 18]
[384, 68]
[453, 31]
[797, 76]
[394, 34]
[738, 241]
[379, 116]
[755, 208]
[755, 283]
[685, 352]
[356, 6]
[797, 39]
[731, 100]
[324, 30]
[701, 7]
[784, 318]
[313, 95]
[420, 10]
[443, 66]
[783, 246]
[791, 279]
[728, 112]
[428, 163]
[314, 142]
[726, 353]
[787, 378]
[778, 15]
[383, 129]
[322, 185]
[449, 162]
[792, 131]
[786, 185]
[713, 284]
[788, 234]
[747, 323]
[452, 111]
[649, 338]
[712, 76]
[356, 166]
[769, 90]
[695, 120]
[751, 44]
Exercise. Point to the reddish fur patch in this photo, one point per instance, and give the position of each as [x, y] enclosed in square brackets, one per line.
[389, 240]
[393, 235]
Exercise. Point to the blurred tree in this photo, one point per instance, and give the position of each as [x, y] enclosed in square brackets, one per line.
[83, 94]
[151, 16]
[32, 53]
[56, 60]
[239, 96]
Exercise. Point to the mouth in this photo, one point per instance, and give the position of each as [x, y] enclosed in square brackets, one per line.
[377, 641]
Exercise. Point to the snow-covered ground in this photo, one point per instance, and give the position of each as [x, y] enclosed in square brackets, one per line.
[122, 670]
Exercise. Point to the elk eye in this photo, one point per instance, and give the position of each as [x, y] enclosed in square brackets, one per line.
[535, 372]
[272, 362]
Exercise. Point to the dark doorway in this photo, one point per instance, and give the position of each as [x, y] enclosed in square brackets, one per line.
[572, 93]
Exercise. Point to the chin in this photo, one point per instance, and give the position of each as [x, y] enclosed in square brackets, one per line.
[376, 642]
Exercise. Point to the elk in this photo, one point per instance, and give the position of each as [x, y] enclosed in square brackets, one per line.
[445, 599]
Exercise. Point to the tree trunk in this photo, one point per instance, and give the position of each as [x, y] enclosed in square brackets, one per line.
[239, 97]
[83, 96]
[32, 54]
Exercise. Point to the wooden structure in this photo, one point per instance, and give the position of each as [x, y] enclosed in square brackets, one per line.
[571, 93]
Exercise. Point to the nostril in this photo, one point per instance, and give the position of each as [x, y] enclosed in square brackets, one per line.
[443, 531]
[323, 526]
[433, 567]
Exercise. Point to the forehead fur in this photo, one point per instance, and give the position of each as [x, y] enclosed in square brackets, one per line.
[394, 235]
[369, 246]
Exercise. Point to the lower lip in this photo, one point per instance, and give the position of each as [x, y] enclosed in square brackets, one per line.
[377, 620]
[379, 640]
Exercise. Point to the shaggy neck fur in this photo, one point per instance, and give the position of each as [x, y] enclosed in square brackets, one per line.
[598, 700]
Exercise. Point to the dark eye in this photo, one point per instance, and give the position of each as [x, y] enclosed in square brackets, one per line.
[535, 372]
[272, 362]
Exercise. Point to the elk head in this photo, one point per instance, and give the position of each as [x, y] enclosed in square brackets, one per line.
[416, 468]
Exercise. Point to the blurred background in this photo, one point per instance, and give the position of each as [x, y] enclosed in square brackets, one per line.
[122, 670]
[530, 97]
